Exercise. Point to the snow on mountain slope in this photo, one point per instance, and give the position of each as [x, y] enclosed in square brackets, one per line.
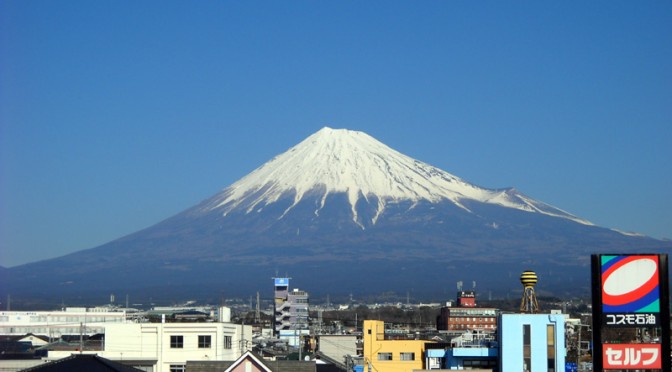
[354, 163]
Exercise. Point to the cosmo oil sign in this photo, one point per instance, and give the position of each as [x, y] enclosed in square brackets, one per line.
[630, 290]
[631, 317]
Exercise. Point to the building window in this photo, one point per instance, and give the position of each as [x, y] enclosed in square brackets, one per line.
[384, 356]
[407, 356]
[227, 342]
[176, 342]
[527, 352]
[204, 342]
[550, 344]
[178, 367]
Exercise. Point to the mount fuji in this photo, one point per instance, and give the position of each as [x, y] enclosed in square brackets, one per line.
[340, 213]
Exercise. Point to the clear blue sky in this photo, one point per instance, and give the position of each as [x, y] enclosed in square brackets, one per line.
[117, 114]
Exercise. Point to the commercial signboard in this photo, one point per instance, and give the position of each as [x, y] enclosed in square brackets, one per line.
[281, 282]
[631, 291]
[632, 356]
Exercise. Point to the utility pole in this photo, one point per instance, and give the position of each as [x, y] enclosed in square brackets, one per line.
[81, 337]
[300, 346]
[257, 313]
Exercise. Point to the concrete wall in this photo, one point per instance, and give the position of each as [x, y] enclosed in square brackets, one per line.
[337, 346]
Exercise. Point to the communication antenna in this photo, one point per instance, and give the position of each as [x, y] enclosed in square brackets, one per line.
[473, 285]
[459, 285]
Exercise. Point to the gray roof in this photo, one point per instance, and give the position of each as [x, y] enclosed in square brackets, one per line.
[273, 365]
[83, 363]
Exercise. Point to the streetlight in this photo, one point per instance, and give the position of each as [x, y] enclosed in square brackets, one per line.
[578, 349]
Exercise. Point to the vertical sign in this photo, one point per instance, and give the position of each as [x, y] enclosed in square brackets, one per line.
[631, 291]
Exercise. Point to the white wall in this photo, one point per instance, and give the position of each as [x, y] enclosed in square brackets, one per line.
[146, 343]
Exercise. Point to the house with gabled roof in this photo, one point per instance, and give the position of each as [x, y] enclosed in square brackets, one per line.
[251, 362]
[83, 363]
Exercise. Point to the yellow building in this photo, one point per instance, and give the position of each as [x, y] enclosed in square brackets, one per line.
[390, 355]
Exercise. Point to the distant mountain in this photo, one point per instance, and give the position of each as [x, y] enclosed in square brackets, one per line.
[340, 213]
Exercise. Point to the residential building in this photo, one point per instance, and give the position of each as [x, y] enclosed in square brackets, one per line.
[381, 354]
[166, 347]
[82, 362]
[152, 347]
[251, 362]
[291, 312]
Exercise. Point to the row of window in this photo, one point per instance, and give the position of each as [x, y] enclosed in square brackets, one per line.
[470, 326]
[204, 342]
[472, 312]
[473, 319]
[402, 356]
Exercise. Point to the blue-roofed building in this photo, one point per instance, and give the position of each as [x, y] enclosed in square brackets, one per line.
[472, 350]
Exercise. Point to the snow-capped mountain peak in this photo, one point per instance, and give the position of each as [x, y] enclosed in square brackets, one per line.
[351, 162]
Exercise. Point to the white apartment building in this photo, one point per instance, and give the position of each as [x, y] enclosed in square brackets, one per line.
[166, 347]
[152, 347]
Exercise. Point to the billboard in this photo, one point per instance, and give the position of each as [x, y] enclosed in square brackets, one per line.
[630, 303]
[281, 282]
[630, 290]
[632, 356]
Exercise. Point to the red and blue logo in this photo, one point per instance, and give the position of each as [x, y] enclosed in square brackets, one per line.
[630, 284]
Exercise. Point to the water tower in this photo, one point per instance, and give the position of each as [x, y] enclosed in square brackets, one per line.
[528, 303]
